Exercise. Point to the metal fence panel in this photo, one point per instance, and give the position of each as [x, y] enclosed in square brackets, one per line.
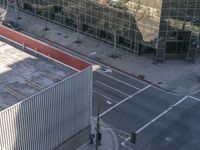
[50, 117]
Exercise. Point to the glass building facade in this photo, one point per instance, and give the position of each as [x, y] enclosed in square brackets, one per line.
[162, 27]
[179, 29]
[132, 25]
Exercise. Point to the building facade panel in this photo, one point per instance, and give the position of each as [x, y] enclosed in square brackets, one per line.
[163, 27]
[133, 22]
[179, 29]
[49, 118]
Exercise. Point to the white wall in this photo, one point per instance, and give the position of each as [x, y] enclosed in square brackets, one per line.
[49, 118]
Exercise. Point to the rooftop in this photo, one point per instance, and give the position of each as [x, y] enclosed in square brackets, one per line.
[23, 74]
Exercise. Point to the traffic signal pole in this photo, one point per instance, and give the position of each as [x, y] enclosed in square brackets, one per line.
[98, 134]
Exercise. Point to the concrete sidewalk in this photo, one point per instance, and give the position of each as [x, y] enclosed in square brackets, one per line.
[173, 75]
[109, 139]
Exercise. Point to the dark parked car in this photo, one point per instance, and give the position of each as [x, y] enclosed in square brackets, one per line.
[11, 24]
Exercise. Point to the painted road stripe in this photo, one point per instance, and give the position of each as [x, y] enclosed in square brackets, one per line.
[108, 102]
[195, 92]
[112, 88]
[119, 80]
[159, 116]
[126, 99]
[106, 97]
[194, 98]
[121, 137]
[156, 118]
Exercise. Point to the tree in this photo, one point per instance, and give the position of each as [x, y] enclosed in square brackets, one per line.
[72, 11]
[140, 11]
[78, 18]
[17, 9]
[115, 26]
[136, 10]
[115, 29]
[100, 25]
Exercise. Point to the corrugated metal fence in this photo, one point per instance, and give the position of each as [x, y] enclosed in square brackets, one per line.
[50, 117]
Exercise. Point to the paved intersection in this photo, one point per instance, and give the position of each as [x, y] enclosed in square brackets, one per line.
[162, 120]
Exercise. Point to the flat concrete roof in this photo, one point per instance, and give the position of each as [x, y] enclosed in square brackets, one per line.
[23, 74]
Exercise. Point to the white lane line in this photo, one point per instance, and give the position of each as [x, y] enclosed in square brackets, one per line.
[126, 140]
[112, 88]
[127, 147]
[156, 118]
[153, 120]
[194, 98]
[122, 137]
[163, 113]
[119, 80]
[108, 102]
[129, 76]
[195, 92]
[106, 97]
[124, 100]
[138, 81]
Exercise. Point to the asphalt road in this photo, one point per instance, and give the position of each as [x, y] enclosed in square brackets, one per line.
[162, 120]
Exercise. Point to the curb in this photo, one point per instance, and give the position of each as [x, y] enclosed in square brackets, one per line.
[97, 60]
[103, 129]
[115, 139]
